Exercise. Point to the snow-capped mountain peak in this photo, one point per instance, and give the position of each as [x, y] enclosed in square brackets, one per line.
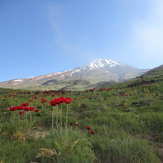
[101, 63]
[98, 69]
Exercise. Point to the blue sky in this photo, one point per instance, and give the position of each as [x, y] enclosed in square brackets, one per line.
[38, 37]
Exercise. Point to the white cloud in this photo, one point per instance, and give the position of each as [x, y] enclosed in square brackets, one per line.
[55, 16]
[148, 32]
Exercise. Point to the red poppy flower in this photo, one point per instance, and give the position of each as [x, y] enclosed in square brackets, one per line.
[92, 132]
[43, 100]
[35, 97]
[21, 112]
[61, 99]
[31, 100]
[67, 100]
[76, 123]
[52, 103]
[31, 108]
[26, 109]
[25, 104]
[20, 107]
[88, 128]
[57, 101]
[12, 108]
[36, 110]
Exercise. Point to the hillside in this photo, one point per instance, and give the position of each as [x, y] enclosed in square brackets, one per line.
[118, 123]
[155, 73]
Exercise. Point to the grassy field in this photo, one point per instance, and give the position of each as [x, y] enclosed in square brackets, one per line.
[115, 124]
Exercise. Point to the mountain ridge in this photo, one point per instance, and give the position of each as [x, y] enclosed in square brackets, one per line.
[98, 70]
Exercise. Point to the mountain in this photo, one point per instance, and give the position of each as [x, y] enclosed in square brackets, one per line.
[106, 69]
[155, 72]
[88, 75]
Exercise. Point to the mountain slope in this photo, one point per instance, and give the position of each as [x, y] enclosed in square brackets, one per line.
[99, 70]
[155, 72]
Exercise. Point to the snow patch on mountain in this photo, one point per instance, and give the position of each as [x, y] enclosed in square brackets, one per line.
[17, 80]
[100, 63]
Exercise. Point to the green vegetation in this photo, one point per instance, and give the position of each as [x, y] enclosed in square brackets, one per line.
[53, 84]
[119, 123]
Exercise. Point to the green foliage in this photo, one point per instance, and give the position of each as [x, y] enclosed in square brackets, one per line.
[127, 125]
[67, 146]
[127, 150]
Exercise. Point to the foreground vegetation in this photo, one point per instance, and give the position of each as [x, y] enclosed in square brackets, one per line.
[115, 124]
